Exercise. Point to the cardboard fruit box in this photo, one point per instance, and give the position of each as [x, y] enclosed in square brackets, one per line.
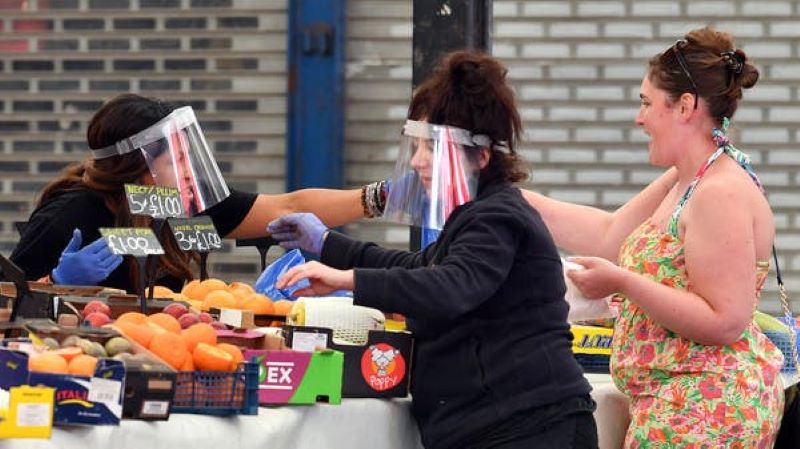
[149, 383]
[78, 399]
[381, 368]
[118, 303]
[298, 377]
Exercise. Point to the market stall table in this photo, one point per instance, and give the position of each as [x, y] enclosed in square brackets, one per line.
[356, 423]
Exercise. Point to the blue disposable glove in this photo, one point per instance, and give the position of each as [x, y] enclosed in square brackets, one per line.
[299, 231]
[85, 266]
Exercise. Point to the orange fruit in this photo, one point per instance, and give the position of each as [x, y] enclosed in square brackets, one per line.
[220, 299]
[235, 352]
[188, 365]
[82, 365]
[68, 353]
[259, 304]
[199, 333]
[170, 348]
[180, 297]
[159, 291]
[189, 289]
[197, 305]
[209, 285]
[140, 333]
[47, 363]
[166, 321]
[245, 289]
[211, 358]
[283, 307]
[131, 317]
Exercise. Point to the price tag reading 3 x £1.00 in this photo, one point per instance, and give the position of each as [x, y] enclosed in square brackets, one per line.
[132, 241]
[195, 234]
[155, 201]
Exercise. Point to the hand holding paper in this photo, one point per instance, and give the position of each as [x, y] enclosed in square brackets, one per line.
[582, 308]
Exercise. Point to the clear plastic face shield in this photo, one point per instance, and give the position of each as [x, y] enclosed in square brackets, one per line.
[436, 171]
[178, 156]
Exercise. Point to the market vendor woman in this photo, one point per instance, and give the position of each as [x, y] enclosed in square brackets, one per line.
[493, 366]
[90, 195]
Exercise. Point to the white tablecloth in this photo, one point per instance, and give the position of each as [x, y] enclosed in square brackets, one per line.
[355, 424]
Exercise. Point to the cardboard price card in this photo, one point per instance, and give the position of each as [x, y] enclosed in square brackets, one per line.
[155, 201]
[30, 413]
[132, 241]
[195, 234]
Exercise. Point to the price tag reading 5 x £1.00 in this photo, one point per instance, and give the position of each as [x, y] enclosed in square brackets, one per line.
[195, 234]
[132, 241]
[155, 201]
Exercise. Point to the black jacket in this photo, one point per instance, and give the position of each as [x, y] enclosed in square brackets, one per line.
[486, 305]
[50, 226]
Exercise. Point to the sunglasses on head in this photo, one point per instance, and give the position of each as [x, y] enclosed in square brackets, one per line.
[676, 49]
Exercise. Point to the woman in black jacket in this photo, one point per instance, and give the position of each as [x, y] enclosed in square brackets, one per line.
[493, 364]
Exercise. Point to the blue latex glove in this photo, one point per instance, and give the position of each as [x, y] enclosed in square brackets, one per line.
[299, 231]
[85, 266]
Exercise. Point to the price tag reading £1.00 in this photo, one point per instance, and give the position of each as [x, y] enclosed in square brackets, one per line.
[155, 201]
[132, 241]
[195, 234]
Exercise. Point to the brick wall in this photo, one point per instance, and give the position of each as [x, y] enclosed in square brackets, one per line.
[60, 59]
[576, 66]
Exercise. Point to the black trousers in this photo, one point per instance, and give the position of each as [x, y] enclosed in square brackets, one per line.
[567, 425]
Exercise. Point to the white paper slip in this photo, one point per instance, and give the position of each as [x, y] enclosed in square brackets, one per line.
[309, 341]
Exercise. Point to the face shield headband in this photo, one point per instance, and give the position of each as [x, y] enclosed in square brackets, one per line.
[178, 156]
[436, 171]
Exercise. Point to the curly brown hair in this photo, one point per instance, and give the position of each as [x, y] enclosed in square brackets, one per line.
[716, 69]
[121, 117]
[468, 89]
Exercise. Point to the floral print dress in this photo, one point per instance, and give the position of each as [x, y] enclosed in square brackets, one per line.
[684, 394]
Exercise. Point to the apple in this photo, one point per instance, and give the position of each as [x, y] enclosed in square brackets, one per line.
[218, 325]
[188, 319]
[176, 309]
[96, 306]
[97, 319]
[205, 317]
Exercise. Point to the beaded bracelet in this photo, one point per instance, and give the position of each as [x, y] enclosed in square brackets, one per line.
[364, 201]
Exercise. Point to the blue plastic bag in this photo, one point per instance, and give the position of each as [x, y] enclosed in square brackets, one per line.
[266, 281]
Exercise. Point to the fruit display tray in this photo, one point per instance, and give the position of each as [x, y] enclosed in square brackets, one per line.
[218, 392]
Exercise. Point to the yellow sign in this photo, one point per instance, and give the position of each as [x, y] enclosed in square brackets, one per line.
[30, 413]
[591, 340]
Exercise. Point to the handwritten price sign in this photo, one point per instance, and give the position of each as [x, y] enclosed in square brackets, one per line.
[195, 234]
[155, 201]
[132, 241]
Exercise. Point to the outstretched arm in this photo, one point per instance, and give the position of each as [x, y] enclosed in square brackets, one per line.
[333, 207]
[591, 231]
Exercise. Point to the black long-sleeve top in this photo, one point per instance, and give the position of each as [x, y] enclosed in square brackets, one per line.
[486, 305]
[50, 226]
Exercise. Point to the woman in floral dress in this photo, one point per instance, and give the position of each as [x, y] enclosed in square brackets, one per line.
[687, 258]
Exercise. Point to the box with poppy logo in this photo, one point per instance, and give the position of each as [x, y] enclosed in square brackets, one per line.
[379, 368]
[95, 400]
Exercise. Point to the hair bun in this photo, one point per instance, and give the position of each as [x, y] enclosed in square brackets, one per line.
[734, 59]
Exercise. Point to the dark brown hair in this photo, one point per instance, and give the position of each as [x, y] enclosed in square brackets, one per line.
[468, 90]
[121, 117]
[719, 70]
